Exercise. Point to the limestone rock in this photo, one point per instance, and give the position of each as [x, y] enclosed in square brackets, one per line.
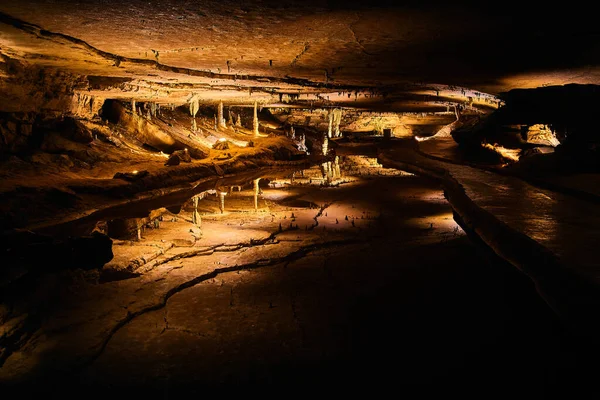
[131, 176]
[43, 253]
[221, 145]
[184, 155]
[173, 160]
[75, 131]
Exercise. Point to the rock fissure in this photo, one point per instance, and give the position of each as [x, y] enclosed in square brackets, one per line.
[295, 255]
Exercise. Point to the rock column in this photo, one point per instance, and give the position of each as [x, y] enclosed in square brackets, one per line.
[255, 121]
[221, 117]
[256, 190]
[196, 220]
[222, 196]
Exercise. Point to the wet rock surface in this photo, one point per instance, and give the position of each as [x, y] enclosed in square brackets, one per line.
[290, 294]
[146, 248]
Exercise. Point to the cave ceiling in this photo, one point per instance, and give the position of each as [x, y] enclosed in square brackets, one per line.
[393, 56]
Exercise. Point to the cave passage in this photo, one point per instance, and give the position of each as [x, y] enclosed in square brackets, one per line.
[338, 197]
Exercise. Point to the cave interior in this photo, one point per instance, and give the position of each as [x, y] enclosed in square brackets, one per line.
[319, 195]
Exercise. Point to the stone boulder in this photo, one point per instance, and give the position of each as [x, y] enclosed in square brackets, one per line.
[221, 145]
[184, 155]
[75, 131]
[131, 176]
[173, 160]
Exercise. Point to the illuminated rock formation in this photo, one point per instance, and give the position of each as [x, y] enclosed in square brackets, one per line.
[222, 124]
[255, 119]
[256, 192]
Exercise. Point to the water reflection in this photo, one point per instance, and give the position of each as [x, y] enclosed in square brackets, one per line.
[238, 193]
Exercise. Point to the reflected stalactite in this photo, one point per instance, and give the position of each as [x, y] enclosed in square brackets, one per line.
[255, 120]
[222, 201]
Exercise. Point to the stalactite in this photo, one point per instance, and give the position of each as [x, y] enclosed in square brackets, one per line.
[330, 128]
[194, 126]
[194, 107]
[133, 109]
[221, 120]
[325, 145]
[256, 191]
[255, 120]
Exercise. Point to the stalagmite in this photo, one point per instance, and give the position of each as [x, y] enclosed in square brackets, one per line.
[325, 144]
[196, 220]
[133, 106]
[255, 121]
[302, 143]
[194, 126]
[292, 133]
[222, 204]
[221, 118]
[337, 118]
[230, 117]
[256, 190]
[238, 121]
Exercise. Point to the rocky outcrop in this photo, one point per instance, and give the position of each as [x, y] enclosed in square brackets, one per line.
[173, 160]
[569, 111]
[151, 131]
[27, 251]
[15, 131]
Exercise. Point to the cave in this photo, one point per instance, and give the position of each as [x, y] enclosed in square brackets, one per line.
[336, 197]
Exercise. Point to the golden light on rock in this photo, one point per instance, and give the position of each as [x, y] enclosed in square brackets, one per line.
[384, 164]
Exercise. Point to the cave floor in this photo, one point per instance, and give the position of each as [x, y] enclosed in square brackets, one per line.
[398, 297]
[566, 225]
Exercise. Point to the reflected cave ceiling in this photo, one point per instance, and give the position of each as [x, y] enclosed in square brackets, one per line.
[370, 55]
